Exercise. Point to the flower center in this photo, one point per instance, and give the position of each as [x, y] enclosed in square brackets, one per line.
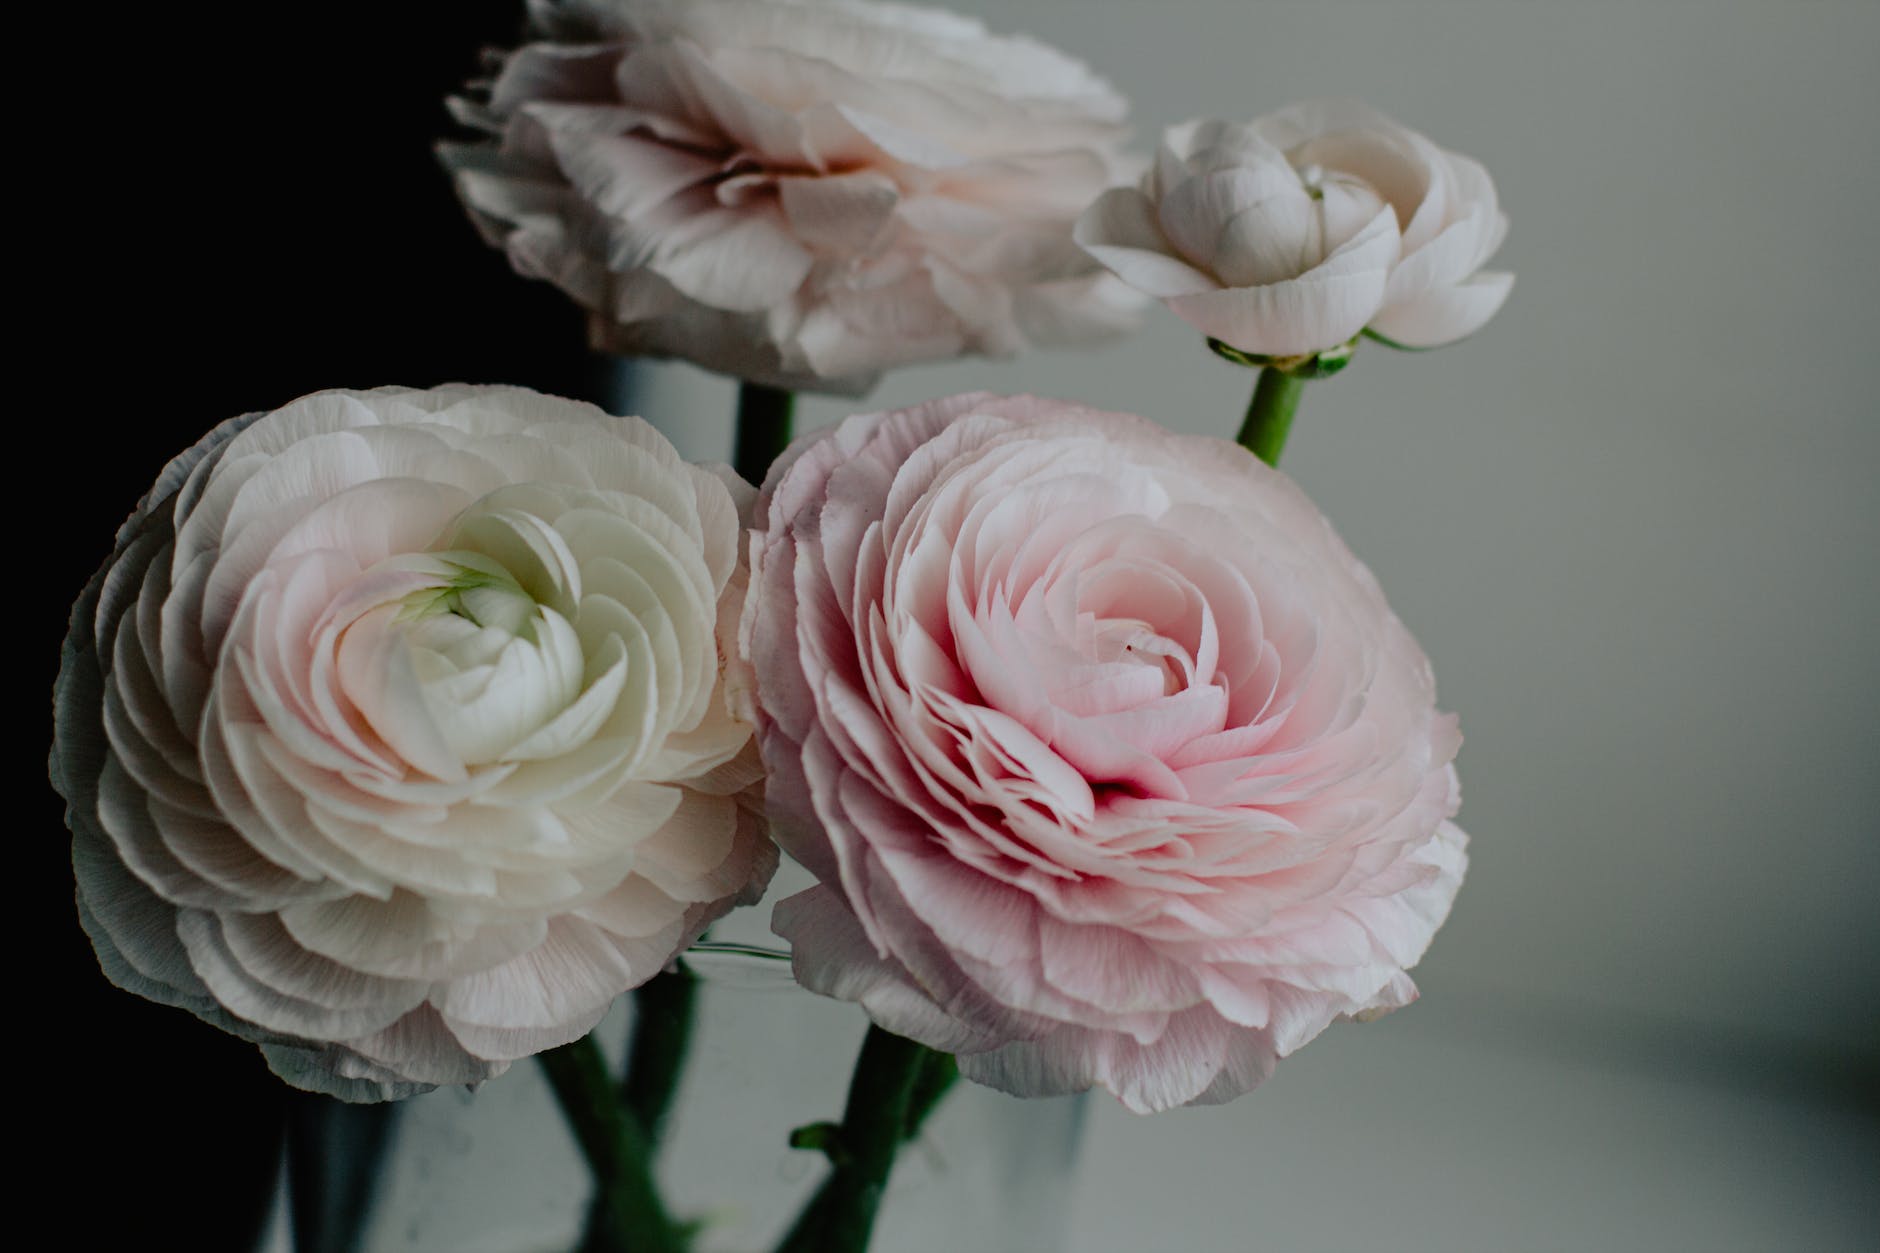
[491, 664]
[1133, 641]
[480, 592]
[458, 658]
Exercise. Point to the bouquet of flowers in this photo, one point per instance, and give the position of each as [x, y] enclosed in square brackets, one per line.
[406, 730]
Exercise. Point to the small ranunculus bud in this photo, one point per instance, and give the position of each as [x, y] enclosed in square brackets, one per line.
[1289, 235]
[397, 734]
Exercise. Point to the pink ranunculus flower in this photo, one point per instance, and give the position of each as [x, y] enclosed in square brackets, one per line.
[797, 192]
[1114, 765]
[396, 733]
[1290, 234]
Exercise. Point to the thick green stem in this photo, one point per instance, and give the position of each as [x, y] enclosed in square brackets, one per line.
[334, 1152]
[937, 1074]
[663, 1009]
[876, 1120]
[1270, 415]
[662, 1028]
[616, 1149]
[763, 429]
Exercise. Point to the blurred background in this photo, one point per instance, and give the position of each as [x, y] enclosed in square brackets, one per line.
[1634, 523]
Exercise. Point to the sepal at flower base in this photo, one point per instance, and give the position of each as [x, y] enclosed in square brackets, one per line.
[1318, 365]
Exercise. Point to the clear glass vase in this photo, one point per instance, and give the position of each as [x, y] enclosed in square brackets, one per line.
[497, 1170]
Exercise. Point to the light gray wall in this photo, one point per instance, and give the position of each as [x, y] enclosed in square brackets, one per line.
[1634, 523]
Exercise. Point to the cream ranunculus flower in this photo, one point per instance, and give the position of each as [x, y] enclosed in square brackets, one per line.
[396, 734]
[797, 192]
[1289, 235]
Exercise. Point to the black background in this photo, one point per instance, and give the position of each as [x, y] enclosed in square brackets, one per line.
[237, 206]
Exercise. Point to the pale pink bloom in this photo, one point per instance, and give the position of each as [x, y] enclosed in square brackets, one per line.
[1114, 765]
[798, 192]
[1291, 234]
[395, 733]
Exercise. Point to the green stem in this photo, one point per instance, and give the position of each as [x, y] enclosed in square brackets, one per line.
[334, 1154]
[937, 1074]
[763, 429]
[842, 1214]
[616, 1149]
[1270, 415]
[663, 1008]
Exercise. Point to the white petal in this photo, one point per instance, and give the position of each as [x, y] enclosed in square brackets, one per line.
[1446, 260]
[903, 144]
[1279, 238]
[381, 680]
[1193, 215]
[682, 856]
[583, 718]
[574, 972]
[343, 1075]
[1120, 231]
[556, 72]
[839, 213]
[529, 550]
[1446, 314]
[622, 175]
[404, 938]
[1302, 315]
[735, 260]
[132, 929]
[419, 1046]
[268, 1007]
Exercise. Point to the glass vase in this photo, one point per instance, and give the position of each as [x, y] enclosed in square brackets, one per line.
[497, 1170]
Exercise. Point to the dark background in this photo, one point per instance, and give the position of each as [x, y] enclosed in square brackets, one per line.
[251, 211]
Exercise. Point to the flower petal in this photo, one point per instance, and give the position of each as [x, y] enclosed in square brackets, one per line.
[1445, 314]
[1120, 230]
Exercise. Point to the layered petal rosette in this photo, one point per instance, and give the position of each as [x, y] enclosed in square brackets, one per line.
[395, 733]
[797, 192]
[1113, 764]
[1289, 235]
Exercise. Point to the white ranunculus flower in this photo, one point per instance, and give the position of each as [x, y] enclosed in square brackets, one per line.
[797, 192]
[1289, 235]
[396, 733]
